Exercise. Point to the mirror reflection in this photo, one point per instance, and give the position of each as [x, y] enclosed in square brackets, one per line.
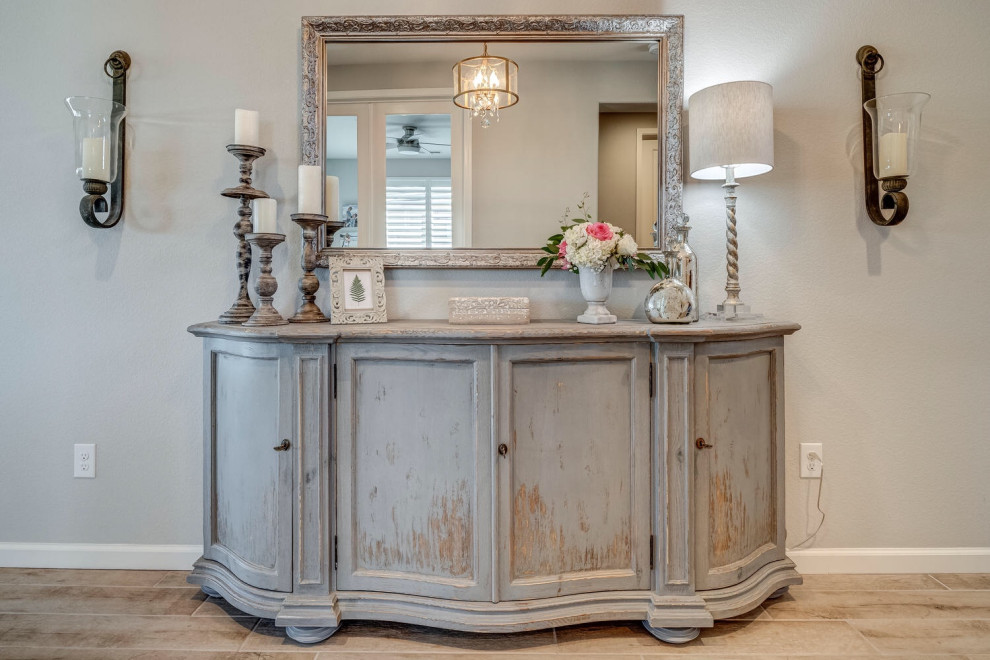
[415, 171]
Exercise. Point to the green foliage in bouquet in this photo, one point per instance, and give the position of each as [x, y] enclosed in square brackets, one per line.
[585, 243]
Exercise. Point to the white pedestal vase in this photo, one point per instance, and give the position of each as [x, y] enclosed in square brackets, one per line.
[596, 287]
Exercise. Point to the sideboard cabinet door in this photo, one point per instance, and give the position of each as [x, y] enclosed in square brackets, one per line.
[574, 469]
[248, 517]
[414, 459]
[739, 411]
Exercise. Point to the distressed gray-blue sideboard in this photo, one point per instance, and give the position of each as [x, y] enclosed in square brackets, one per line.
[494, 478]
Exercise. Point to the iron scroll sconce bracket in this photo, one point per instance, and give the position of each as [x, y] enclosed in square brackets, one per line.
[871, 62]
[94, 201]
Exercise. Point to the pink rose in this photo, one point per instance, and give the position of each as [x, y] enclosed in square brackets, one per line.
[565, 264]
[562, 250]
[599, 230]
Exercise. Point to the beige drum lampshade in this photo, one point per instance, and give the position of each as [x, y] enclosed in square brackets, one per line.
[731, 125]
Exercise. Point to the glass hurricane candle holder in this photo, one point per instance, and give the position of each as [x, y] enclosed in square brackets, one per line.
[97, 129]
[896, 122]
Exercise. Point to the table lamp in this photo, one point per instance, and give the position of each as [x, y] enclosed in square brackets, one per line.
[731, 136]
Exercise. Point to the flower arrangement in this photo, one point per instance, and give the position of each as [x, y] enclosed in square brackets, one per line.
[590, 245]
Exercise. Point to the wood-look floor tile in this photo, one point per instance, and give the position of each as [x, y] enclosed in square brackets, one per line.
[755, 614]
[28, 598]
[785, 637]
[868, 582]
[927, 636]
[123, 632]
[136, 654]
[964, 580]
[880, 605]
[217, 607]
[874, 656]
[347, 655]
[173, 579]
[373, 637]
[80, 577]
[615, 638]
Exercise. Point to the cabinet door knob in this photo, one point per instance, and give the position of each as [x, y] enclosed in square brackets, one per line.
[284, 446]
[503, 449]
[701, 444]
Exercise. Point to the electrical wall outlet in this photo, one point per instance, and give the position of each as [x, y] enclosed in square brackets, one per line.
[811, 460]
[85, 463]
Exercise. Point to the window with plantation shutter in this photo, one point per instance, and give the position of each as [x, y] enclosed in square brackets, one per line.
[418, 212]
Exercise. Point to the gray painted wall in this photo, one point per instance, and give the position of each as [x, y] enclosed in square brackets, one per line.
[889, 372]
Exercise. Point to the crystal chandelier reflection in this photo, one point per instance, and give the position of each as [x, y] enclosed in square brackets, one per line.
[486, 84]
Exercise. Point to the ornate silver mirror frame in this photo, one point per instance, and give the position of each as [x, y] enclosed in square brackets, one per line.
[667, 30]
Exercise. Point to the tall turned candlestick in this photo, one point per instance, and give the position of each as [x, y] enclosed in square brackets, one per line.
[267, 285]
[243, 308]
[310, 223]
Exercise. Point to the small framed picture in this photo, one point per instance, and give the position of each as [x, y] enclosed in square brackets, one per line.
[357, 290]
[349, 214]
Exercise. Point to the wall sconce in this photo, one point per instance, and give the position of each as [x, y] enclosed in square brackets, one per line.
[890, 134]
[99, 130]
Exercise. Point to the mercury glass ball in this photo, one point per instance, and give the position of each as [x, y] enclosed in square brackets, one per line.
[670, 301]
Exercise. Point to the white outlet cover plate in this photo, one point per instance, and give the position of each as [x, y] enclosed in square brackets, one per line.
[84, 463]
[811, 469]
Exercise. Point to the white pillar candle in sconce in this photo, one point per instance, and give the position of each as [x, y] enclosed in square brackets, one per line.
[265, 210]
[309, 189]
[892, 157]
[95, 159]
[332, 199]
[246, 127]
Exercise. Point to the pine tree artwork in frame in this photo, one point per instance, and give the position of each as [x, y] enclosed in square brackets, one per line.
[357, 290]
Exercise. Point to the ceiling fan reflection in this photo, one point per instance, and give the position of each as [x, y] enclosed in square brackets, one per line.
[409, 143]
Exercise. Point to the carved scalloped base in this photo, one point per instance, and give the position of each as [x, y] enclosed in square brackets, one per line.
[740, 598]
[215, 579]
[671, 618]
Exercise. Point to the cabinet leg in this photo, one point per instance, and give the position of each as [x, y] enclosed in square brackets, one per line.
[673, 635]
[210, 591]
[780, 592]
[310, 634]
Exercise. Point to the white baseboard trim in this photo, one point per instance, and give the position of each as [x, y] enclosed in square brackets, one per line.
[99, 555]
[891, 560]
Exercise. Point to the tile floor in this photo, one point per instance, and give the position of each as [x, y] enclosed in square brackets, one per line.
[113, 615]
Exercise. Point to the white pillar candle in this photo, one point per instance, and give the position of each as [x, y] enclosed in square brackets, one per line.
[309, 189]
[246, 127]
[264, 216]
[893, 155]
[95, 159]
[332, 199]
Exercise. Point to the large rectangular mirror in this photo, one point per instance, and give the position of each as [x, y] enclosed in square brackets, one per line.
[420, 182]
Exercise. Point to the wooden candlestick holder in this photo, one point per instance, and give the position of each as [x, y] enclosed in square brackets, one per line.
[267, 285]
[308, 311]
[243, 308]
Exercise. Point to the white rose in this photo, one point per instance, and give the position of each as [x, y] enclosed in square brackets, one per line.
[627, 246]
